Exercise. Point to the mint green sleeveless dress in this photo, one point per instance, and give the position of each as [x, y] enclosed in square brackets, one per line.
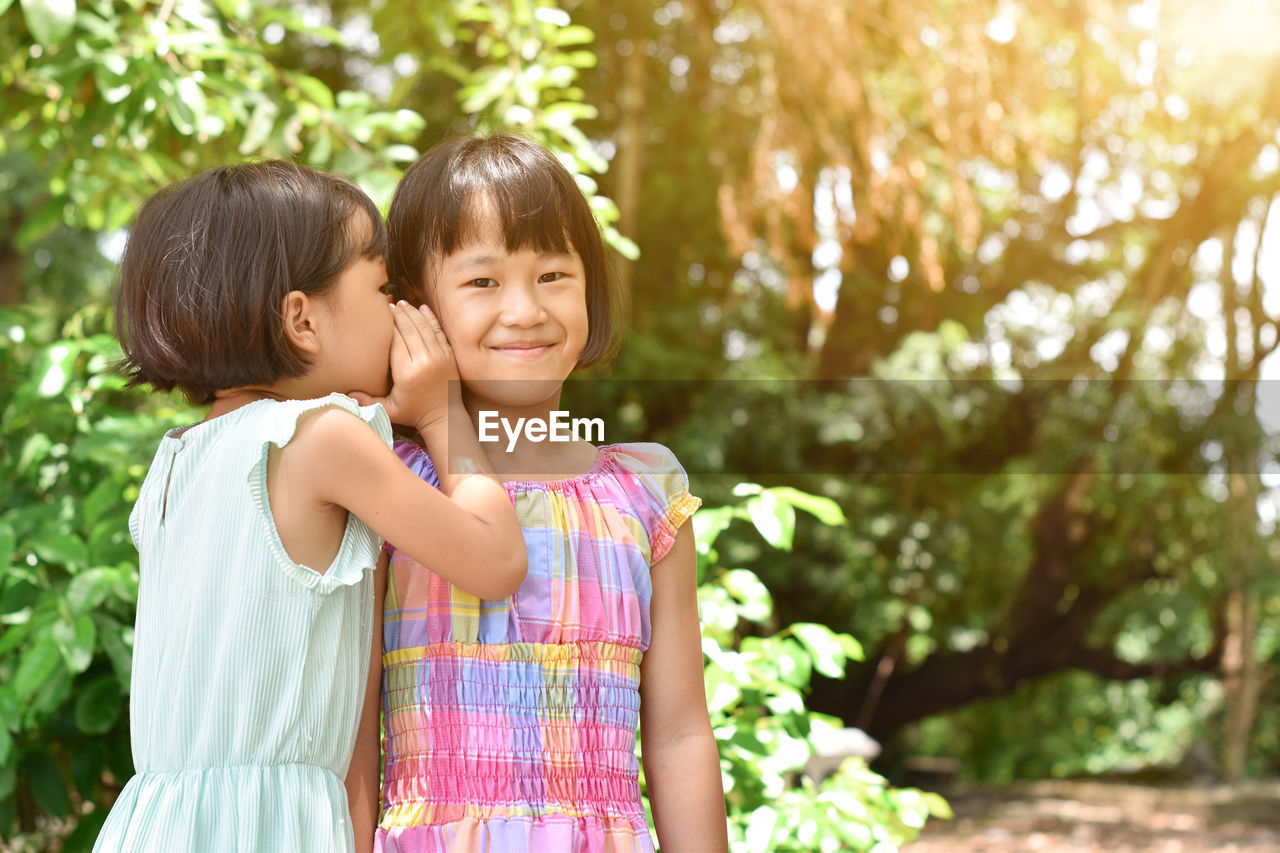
[249, 670]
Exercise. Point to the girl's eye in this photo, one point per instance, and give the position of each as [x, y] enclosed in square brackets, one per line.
[387, 289]
[548, 277]
[485, 283]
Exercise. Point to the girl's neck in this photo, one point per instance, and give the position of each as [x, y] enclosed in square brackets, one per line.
[509, 450]
[230, 399]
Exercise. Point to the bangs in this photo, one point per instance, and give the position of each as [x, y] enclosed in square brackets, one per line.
[533, 219]
[528, 205]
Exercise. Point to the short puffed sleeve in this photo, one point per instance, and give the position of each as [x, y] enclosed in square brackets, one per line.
[657, 491]
[417, 461]
[360, 546]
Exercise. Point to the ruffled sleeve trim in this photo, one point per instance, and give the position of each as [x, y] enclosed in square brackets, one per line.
[680, 510]
[360, 545]
[417, 460]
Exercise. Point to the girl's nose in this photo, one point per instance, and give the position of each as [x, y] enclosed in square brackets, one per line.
[520, 306]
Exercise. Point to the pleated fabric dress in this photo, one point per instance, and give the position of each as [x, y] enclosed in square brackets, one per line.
[511, 725]
[249, 669]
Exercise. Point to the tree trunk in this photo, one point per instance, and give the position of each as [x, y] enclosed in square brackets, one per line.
[631, 141]
[1240, 671]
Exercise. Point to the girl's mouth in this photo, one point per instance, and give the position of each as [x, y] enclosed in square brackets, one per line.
[523, 351]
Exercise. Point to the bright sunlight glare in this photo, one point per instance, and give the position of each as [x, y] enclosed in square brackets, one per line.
[1225, 30]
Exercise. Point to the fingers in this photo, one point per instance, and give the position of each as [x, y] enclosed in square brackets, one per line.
[362, 398]
[388, 403]
[442, 340]
[422, 365]
[417, 338]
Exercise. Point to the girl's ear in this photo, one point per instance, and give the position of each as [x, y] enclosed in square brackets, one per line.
[300, 327]
[406, 290]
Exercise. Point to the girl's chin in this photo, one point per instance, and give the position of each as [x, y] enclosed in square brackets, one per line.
[509, 391]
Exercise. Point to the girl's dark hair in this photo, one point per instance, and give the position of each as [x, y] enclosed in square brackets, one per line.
[436, 208]
[210, 260]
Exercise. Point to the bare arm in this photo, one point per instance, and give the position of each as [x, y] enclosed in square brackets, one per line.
[366, 761]
[468, 534]
[471, 538]
[681, 762]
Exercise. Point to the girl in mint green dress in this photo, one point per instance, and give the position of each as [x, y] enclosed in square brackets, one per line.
[260, 290]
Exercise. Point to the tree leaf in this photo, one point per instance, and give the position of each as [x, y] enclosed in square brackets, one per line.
[792, 662]
[105, 496]
[117, 642]
[314, 90]
[75, 640]
[45, 783]
[10, 709]
[86, 767]
[192, 97]
[62, 549]
[50, 21]
[852, 648]
[824, 509]
[262, 121]
[775, 520]
[754, 596]
[37, 664]
[576, 34]
[824, 645]
[88, 588]
[99, 706]
[488, 85]
[7, 542]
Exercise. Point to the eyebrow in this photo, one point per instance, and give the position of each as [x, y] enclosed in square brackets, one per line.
[478, 261]
[485, 260]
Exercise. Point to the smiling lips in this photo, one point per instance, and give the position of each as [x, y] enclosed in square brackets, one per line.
[523, 350]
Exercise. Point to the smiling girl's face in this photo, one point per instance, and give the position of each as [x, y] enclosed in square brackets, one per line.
[516, 319]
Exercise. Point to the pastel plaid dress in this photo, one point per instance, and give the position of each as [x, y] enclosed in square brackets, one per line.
[511, 725]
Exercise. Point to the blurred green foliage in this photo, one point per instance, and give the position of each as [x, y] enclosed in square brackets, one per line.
[121, 98]
[755, 688]
[75, 448]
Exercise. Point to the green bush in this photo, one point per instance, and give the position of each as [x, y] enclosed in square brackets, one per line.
[73, 449]
[755, 692]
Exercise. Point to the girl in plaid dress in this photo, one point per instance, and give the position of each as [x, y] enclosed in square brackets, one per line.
[511, 724]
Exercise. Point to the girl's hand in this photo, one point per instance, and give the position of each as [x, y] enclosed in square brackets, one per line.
[424, 376]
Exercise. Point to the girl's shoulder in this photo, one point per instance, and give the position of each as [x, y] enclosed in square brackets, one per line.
[278, 422]
[644, 459]
[271, 421]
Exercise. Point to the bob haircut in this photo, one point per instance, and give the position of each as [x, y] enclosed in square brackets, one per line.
[537, 203]
[210, 261]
